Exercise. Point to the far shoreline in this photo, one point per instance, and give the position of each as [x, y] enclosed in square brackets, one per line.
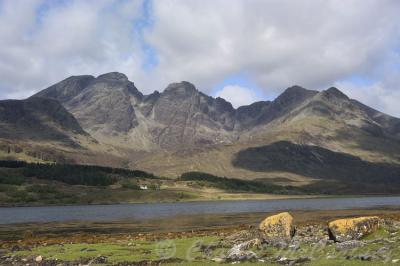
[253, 197]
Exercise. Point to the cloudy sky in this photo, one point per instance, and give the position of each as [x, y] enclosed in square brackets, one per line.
[241, 50]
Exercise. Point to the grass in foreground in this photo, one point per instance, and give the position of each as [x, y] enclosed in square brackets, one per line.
[202, 250]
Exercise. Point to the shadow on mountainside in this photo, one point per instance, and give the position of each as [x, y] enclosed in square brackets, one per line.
[317, 162]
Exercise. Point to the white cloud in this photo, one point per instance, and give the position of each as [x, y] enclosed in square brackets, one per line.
[237, 95]
[279, 43]
[275, 43]
[383, 95]
[78, 37]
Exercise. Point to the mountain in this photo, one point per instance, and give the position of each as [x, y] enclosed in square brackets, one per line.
[112, 110]
[181, 129]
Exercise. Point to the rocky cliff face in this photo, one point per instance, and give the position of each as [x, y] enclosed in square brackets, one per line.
[102, 105]
[183, 115]
[113, 110]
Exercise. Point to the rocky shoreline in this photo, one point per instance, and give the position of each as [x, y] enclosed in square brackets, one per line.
[277, 240]
[279, 231]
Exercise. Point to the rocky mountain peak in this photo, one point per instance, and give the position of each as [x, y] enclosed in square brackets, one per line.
[181, 88]
[223, 105]
[66, 89]
[292, 97]
[295, 88]
[295, 92]
[332, 91]
[113, 76]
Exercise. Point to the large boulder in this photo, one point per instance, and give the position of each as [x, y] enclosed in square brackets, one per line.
[278, 226]
[352, 228]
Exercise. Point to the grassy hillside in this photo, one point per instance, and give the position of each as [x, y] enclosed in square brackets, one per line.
[316, 162]
[333, 172]
[24, 183]
[238, 185]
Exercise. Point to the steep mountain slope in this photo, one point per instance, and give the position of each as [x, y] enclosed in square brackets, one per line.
[183, 115]
[37, 119]
[40, 129]
[102, 105]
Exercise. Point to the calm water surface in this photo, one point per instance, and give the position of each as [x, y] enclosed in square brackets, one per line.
[159, 210]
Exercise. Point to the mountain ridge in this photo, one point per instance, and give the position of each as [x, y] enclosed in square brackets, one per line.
[180, 114]
[181, 129]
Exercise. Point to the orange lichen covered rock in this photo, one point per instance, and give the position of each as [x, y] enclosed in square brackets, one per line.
[353, 228]
[278, 226]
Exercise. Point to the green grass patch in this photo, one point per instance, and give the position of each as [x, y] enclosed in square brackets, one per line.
[131, 186]
[7, 188]
[42, 189]
[189, 250]
[11, 176]
[184, 248]
[237, 185]
[344, 262]
[380, 233]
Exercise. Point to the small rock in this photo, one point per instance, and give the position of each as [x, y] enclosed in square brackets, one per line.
[349, 245]
[289, 261]
[39, 259]
[241, 236]
[239, 253]
[99, 260]
[241, 256]
[282, 259]
[382, 250]
[278, 243]
[15, 248]
[366, 257]
[218, 260]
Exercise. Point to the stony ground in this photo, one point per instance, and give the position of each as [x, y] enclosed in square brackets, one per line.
[311, 245]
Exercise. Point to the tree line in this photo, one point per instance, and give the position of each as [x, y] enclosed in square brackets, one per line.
[72, 174]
